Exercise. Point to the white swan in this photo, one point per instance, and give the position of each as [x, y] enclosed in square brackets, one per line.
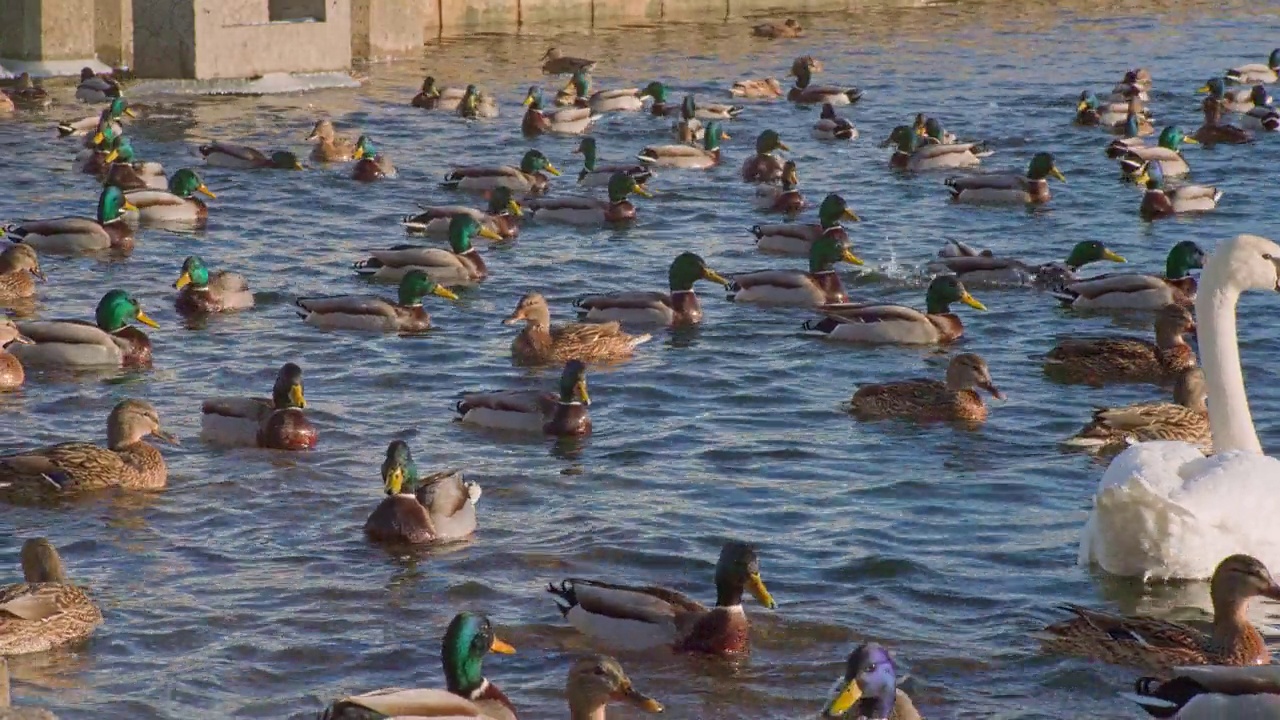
[1164, 510]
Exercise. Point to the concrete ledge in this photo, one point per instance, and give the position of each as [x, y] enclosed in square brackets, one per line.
[459, 17]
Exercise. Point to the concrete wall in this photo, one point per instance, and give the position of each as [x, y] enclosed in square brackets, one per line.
[113, 31]
[47, 29]
[391, 28]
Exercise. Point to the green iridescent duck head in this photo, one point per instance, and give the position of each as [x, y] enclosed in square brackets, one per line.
[399, 471]
[186, 182]
[501, 201]
[1183, 258]
[1089, 251]
[655, 90]
[194, 273]
[534, 161]
[117, 309]
[828, 250]
[834, 209]
[689, 268]
[416, 285]
[1172, 138]
[945, 290]
[573, 383]
[287, 391]
[768, 141]
[462, 228]
[621, 185]
[469, 637]
[112, 205]
[365, 148]
[714, 134]
[1042, 166]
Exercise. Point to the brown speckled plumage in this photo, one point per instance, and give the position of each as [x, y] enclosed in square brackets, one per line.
[930, 400]
[44, 611]
[19, 269]
[1097, 361]
[540, 343]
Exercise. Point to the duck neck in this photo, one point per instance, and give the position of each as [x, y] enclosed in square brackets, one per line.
[876, 708]
[1230, 623]
[1229, 417]
[586, 709]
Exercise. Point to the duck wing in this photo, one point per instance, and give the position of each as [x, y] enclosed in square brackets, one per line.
[255, 409]
[72, 332]
[994, 181]
[790, 279]
[627, 300]
[483, 171]
[241, 152]
[1115, 282]
[866, 313]
[521, 401]
[648, 603]
[415, 256]
[348, 305]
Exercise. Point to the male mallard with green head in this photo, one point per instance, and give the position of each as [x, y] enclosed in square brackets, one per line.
[899, 324]
[475, 104]
[595, 175]
[375, 314]
[75, 467]
[524, 180]
[434, 97]
[869, 688]
[202, 292]
[680, 306]
[469, 637]
[1257, 72]
[685, 156]
[927, 400]
[501, 217]
[461, 264]
[1160, 201]
[803, 93]
[1098, 361]
[764, 166]
[370, 163]
[639, 617]
[1156, 644]
[592, 211]
[1167, 154]
[797, 238]
[277, 423]
[241, 157]
[45, 611]
[110, 342]
[797, 288]
[177, 204]
[19, 271]
[562, 121]
[987, 269]
[69, 236]
[1008, 188]
[578, 93]
[562, 414]
[1140, 291]
[439, 506]
[540, 343]
[89, 126]
[910, 153]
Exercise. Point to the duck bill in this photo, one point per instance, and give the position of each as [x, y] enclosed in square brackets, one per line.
[552, 169]
[130, 113]
[501, 647]
[98, 137]
[528, 100]
[1190, 140]
[142, 318]
[1112, 256]
[489, 233]
[38, 274]
[1203, 89]
[514, 208]
[642, 191]
[444, 292]
[183, 280]
[298, 165]
[755, 584]
[783, 146]
[1272, 592]
[851, 215]
[844, 701]
[358, 154]
[296, 397]
[1057, 174]
[111, 157]
[129, 206]
[972, 302]
[639, 699]
[165, 437]
[394, 481]
[850, 258]
[991, 388]
[715, 277]
[580, 389]
[725, 136]
[204, 190]
[1082, 106]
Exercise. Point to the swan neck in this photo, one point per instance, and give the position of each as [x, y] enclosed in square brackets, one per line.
[1229, 417]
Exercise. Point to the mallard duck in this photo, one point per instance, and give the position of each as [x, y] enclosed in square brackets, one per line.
[329, 147]
[89, 126]
[689, 129]
[370, 163]
[11, 373]
[931, 131]
[526, 179]
[1257, 72]
[592, 211]
[1097, 361]
[562, 414]
[68, 236]
[461, 264]
[1133, 125]
[578, 93]
[1007, 188]
[202, 292]
[1137, 81]
[101, 150]
[1138, 291]
[785, 199]
[475, 104]
[469, 637]
[831, 126]
[1087, 112]
[177, 204]
[987, 269]
[899, 324]
[6, 711]
[501, 217]
[1160, 201]
[1211, 692]
[130, 176]
[1130, 139]
[594, 175]
[44, 611]
[684, 156]
[1156, 644]
[910, 154]
[564, 121]
[1263, 115]
[819, 286]
[774, 30]
[228, 155]
[1167, 154]
[27, 95]
[762, 89]
[678, 307]
[556, 63]
[663, 107]
[797, 238]
[1214, 131]
[110, 342]
[375, 314]
[540, 343]
[707, 111]
[869, 688]
[431, 97]
[1186, 419]
[19, 270]
[764, 166]
[75, 467]
[439, 506]
[1235, 100]
[277, 423]
[95, 88]
[802, 93]
[930, 400]
[643, 617]
[6, 103]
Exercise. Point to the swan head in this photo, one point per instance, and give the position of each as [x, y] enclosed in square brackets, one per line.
[1239, 578]
[1245, 262]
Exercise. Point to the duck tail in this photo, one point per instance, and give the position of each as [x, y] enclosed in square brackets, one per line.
[369, 266]
[1217, 195]
[980, 149]
[1066, 297]
[1131, 167]
[854, 95]
[415, 222]
[647, 156]
[1271, 123]
[736, 110]
[844, 131]
[473, 491]
[65, 129]
[451, 181]
[1231, 76]
[757, 231]
[566, 599]
[638, 340]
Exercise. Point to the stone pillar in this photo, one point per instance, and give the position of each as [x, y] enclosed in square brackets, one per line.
[47, 30]
[389, 28]
[461, 17]
[113, 32]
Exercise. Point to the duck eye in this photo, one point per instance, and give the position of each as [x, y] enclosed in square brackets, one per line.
[599, 670]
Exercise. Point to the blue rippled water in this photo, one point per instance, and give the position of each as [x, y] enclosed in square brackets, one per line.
[246, 589]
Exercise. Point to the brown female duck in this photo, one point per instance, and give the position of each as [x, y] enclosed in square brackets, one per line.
[1186, 419]
[417, 509]
[277, 423]
[19, 270]
[539, 343]
[1155, 644]
[329, 147]
[1214, 131]
[75, 467]
[1097, 361]
[774, 30]
[930, 400]
[11, 373]
[561, 415]
[44, 611]
[556, 63]
[638, 617]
